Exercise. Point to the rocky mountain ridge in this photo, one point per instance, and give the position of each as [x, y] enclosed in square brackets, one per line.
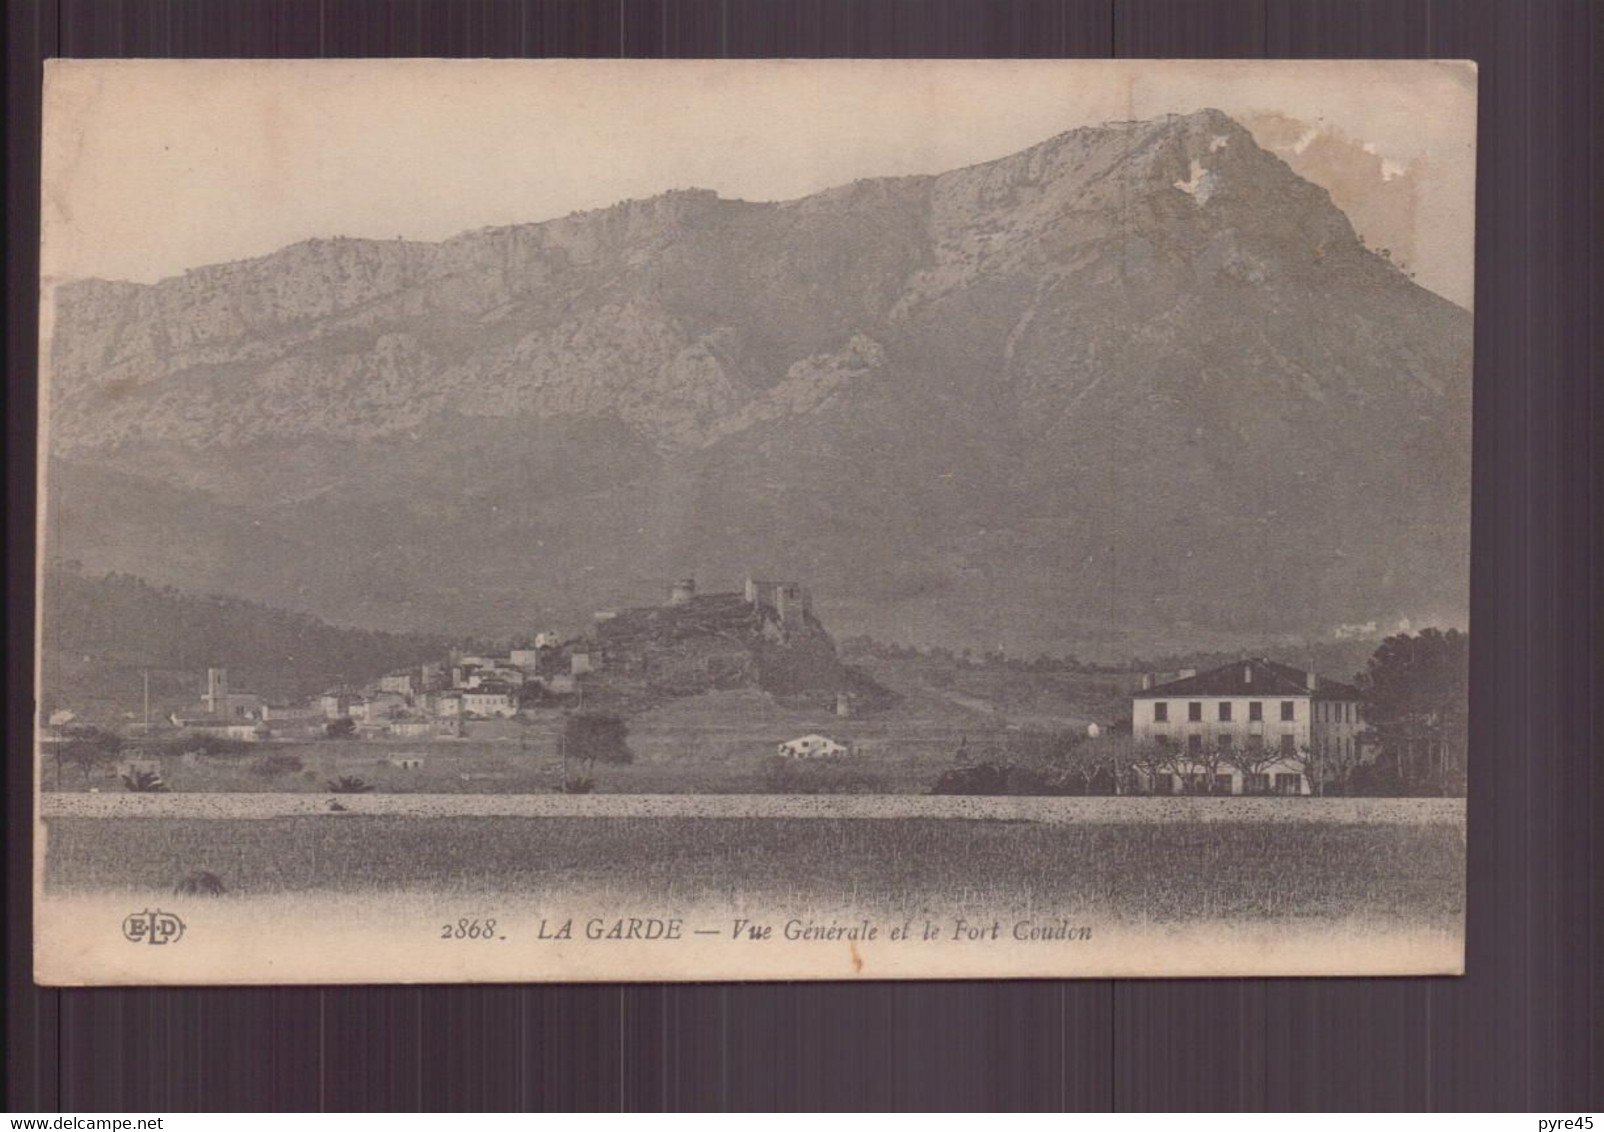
[1138, 385]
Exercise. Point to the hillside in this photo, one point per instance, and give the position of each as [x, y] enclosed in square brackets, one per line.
[720, 642]
[101, 633]
[1136, 389]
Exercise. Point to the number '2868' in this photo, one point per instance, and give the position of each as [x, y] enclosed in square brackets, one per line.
[469, 928]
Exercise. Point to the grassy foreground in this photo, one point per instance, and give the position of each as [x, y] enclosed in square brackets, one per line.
[1149, 872]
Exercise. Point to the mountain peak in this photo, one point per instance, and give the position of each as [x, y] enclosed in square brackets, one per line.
[941, 398]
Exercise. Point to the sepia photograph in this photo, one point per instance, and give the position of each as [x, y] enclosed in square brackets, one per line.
[554, 521]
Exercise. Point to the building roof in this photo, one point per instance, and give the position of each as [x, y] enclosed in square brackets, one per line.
[813, 740]
[1253, 677]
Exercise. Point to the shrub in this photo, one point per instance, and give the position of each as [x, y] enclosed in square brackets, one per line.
[982, 778]
[1009, 778]
[144, 782]
[578, 786]
[593, 737]
[347, 784]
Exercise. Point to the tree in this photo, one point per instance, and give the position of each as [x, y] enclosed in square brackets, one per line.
[342, 728]
[1104, 763]
[1153, 760]
[88, 748]
[1327, 762]
[1417, 697]
[1253, 761]
[594, 737]
[1204, 761]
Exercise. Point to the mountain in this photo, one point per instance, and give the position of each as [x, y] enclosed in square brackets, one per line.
[103, 633]
[1138, 388]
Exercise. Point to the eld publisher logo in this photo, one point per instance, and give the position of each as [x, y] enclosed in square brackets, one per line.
[155, 928]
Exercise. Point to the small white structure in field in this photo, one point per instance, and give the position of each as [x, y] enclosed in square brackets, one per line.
[814, 747]
[1093, 731]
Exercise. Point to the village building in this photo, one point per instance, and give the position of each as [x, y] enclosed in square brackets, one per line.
[404, 682]
[242, 730]
[1267, 715]
[814, 747]
[446, 705]
[220, 703]
[498, 674]
[289, 721]
[412, 728]
[488, 700]
[336, 703]
[289, 714]
[225, 714]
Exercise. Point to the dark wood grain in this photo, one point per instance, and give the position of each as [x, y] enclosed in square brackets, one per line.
[1520, 1031]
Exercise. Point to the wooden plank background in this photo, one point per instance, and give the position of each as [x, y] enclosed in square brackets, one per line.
[1521, 1031]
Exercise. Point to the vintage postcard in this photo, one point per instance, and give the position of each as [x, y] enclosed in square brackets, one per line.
[542, 521]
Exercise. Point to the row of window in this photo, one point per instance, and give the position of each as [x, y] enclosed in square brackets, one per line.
[1289, 743]
[1194, 711]
[1329, 711]
[1251, 783]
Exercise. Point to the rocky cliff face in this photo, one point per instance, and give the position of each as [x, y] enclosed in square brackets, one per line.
[1137, 385]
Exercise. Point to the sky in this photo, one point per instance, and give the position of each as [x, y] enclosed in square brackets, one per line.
[155, 166]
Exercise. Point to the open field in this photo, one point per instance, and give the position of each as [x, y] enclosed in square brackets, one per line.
[1138, 872]
[715, 743]
[475, 766]
[723, 743]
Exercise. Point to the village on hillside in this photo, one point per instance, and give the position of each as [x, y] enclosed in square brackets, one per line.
[764, 683]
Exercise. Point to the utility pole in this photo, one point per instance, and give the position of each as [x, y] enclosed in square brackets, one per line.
[147, 701]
